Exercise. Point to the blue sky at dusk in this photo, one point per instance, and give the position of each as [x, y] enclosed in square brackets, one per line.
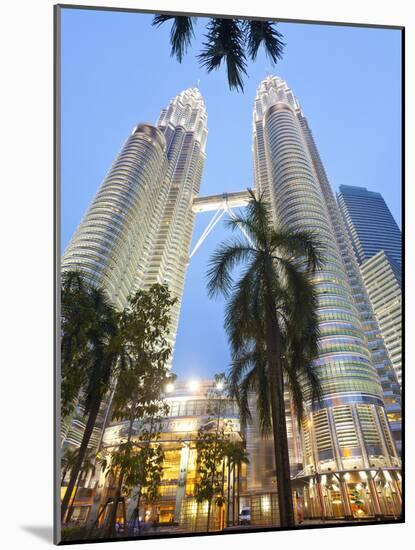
[117, 71]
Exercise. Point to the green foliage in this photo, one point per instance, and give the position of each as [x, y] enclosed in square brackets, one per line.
[144, 328]
[141, 466]
[227, 40]
[182, 32]
[235, 453]
[89, 331]
[278, 266]
[100, 346]
[68, 457]
[356, 498]
[210, 448]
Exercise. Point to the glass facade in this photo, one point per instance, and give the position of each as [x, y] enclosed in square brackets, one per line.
[184, 126]
[289, 172]
[112, 243]
[371, 225]
[382, 276]
[377, 245]
[176, 508]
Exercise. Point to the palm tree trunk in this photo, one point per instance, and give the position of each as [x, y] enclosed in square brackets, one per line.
[238, 492]
[81, 454]
[279, 426]
[64, 475]
[110, 531]
[222, 490]
[228, 507]
[138, 509]
[71, 507]
[233, 496]
[208, 515]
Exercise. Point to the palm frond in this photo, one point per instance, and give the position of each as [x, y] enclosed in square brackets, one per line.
[181, 34]
[225, 42]
[300, 244]
[265, 33]
[223, 261]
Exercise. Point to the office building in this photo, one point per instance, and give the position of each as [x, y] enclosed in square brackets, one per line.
[370, 223]
[376, 240]
[382, 277]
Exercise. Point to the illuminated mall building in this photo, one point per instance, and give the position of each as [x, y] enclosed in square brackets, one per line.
[196, 404]
[348, 452]
[193, 404]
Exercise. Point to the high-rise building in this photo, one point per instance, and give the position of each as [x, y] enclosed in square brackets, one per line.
[346, 436]
[376, 239]
[112, 244]
[382, 277]
[184, 126]
[138, 229]
[370, 223]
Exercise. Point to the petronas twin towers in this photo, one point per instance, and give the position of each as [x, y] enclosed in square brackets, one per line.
[138, 231]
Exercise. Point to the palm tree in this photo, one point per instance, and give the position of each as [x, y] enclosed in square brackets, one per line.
[67, 461]
[227, 40]
[88, 467]
[272, 325]
[90, 350]
[236, 455]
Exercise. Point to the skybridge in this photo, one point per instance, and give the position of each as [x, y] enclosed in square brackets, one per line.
[220, 204]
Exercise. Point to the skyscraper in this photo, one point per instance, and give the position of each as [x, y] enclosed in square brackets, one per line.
[347, 434]
[382, 276]
[112, 243]
[138, 229]
[184, 126]
[370, 223]
[377, 240]
[139, 226]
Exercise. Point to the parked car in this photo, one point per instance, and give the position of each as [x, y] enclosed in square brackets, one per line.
[245, 516]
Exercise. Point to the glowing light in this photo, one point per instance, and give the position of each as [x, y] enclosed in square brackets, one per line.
[346, 476]
[220, 386]
[193, 385]
[363, 476]
[265, 503]
[169, 387]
